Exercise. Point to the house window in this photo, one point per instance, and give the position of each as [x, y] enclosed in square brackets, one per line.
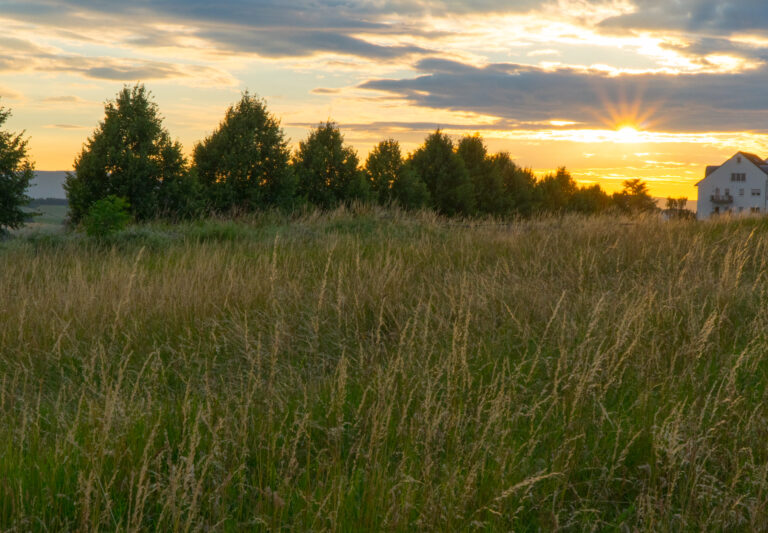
[754, 209]
[717, 209]
[741, 209]
[727, 191]
[741, 192]
[755, 192]
[738, 159]
[738, 176]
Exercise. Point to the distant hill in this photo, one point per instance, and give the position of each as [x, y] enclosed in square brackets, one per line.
[48, 184]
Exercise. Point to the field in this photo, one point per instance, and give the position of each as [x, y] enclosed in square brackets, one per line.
[370, 370]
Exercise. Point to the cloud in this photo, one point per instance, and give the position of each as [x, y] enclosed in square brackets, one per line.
[520, 95]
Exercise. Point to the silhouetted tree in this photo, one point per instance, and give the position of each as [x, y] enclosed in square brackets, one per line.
[445, 175]
[486, 177]
[678, 208]
[245, 162]
[590, 200]
[16, 171]
[383, 167]
[518, 185]
[555, 191]
[130, 155]
[409, 190]
[634, 198]
[327, 170]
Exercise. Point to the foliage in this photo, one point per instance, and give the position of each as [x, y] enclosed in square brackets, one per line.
[555, 191]
[445, 175]
[107, 216]
[244, 164]
[327, 170]
[487, 178]
[409, 191]
[590, 199]
[383, 167]
[132, 156]
[519, 185]
[635, 198]
[16, 171]
[678, 208]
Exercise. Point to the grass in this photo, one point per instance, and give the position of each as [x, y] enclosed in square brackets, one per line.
[371, 370]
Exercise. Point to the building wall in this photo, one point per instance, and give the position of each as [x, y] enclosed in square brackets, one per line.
[720, 180]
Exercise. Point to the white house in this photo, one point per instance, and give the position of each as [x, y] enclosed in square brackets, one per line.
[737, 186]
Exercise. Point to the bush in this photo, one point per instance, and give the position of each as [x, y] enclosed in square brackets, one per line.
[107, 216]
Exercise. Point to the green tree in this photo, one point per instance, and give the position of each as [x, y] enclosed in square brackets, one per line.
[519, 185]
[409, 191]
[16, 171]
[245, 162]
[130, 155]
[634, 198]
[590, 200]
[555, 191]
[486, 177]
[445, 175]
[327, 170]
[383, 167]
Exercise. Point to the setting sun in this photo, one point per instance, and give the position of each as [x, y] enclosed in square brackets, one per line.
[627, 134]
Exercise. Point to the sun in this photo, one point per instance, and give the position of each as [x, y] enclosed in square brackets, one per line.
[627, 134]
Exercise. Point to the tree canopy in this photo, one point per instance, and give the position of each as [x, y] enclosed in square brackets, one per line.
[245, 162]
[445, 175]
[130, 155]
[327, 169]
[16, 171]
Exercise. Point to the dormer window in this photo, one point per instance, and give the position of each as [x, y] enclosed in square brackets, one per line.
[738, 176]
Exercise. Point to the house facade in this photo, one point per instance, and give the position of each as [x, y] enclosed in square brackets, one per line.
[736, 187]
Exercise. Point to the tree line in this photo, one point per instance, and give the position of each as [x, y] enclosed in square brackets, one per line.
[246, 165]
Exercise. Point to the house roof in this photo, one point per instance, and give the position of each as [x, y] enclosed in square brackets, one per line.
[754, 159]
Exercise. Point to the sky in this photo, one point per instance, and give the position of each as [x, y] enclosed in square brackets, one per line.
[610, 89]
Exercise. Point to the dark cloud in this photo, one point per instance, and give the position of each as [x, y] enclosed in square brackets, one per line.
[523, 95]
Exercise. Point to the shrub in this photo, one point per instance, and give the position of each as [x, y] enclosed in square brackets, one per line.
[107, 216]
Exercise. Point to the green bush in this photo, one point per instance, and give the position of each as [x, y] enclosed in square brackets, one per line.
[107, 216]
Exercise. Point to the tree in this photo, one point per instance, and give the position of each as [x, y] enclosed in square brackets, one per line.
[445, 175]
[130, 155]
[555, 191]
[518, 185]
[245, 162]
[634, 198]
[327, 170]
[678, 208]
[487, 181]
[590, 200]
[383, 167]
[16, 171]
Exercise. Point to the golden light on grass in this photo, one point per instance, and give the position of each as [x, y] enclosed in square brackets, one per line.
[373, 371]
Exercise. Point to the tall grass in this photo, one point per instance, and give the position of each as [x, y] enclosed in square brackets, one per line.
[365, 371]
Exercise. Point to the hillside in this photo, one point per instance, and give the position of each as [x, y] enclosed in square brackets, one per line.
[377, 371]
[48, 184]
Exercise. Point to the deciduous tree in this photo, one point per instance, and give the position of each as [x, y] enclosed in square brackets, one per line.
[16, 171]
[245, 162]
[130, 155]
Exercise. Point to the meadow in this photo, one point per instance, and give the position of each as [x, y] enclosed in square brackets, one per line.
[371, 370]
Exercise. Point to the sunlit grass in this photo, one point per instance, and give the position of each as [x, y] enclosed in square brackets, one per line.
[372, 370]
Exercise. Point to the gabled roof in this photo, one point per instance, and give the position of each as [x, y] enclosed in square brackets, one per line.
[755, 159]
[762, 164]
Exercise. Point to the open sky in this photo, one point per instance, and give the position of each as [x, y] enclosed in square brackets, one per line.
[612, 89]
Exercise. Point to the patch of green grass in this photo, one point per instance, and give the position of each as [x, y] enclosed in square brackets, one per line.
[370, 370]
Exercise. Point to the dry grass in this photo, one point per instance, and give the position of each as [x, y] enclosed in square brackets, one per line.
[365, 371]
